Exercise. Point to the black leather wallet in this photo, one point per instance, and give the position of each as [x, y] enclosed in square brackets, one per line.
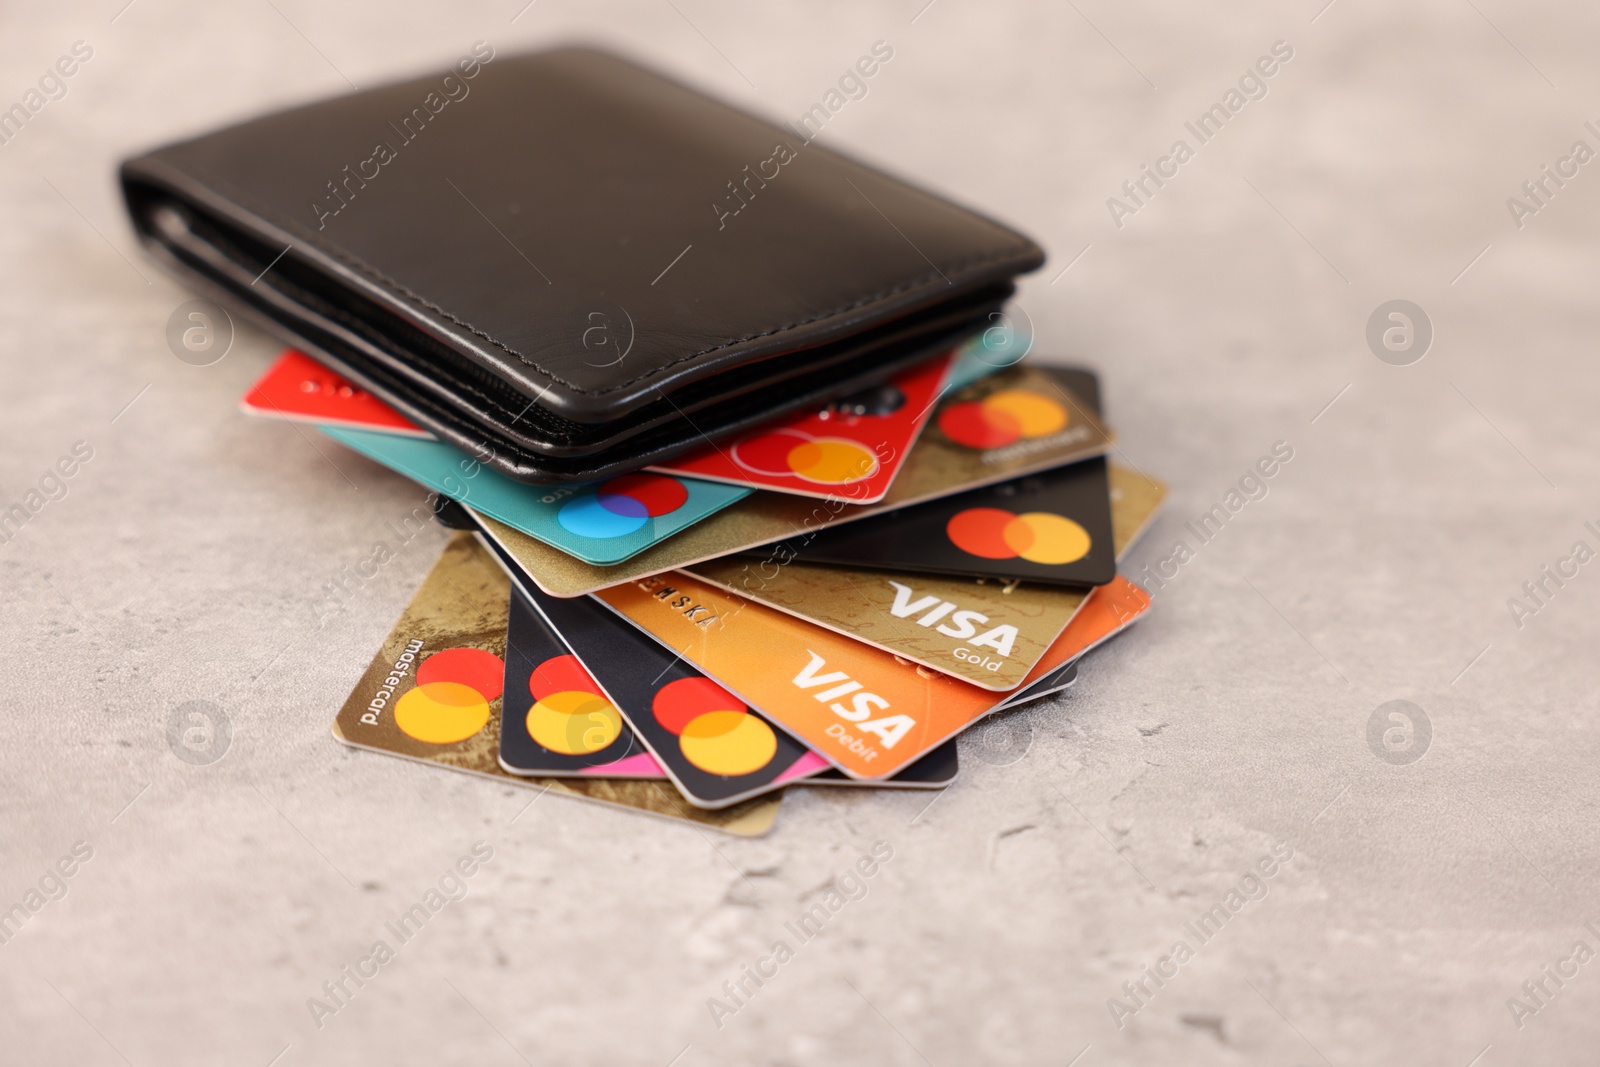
[569, 265]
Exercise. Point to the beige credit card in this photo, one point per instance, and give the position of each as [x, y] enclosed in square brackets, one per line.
[432, 694]
[987, 632]
[1004, 426]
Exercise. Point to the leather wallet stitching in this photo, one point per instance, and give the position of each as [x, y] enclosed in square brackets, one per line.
[395, 286]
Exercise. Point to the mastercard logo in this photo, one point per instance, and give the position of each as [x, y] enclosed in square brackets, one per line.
[821, 460]
[1002, 418]
[570, 715]
[622, 505]
[715, 730]
[1036, 536]
[450, 701]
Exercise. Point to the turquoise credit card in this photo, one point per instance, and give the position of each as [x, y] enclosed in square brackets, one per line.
[599, 522]
[991, 351]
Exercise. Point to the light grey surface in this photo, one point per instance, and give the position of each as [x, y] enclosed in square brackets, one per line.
[186, 562]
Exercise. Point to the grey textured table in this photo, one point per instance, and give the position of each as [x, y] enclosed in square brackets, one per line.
[1228, 311]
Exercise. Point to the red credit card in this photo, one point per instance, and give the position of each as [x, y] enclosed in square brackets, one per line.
[850, 451]
[298, 387]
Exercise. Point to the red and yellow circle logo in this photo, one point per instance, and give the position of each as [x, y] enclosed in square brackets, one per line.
[1003, 418]
[821, 460]
[1036, 536]
[570, 715]
[451, 700]
[714, 728]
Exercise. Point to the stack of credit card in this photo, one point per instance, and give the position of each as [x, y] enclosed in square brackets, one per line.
[826, 602]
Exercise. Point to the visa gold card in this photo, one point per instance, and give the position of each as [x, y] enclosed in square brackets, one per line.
[987, 632]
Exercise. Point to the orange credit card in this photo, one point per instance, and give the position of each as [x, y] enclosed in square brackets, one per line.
[868, 712]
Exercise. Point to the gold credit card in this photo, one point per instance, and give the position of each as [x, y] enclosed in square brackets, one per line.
[987, 632]
[1001, 427]
[433, 692]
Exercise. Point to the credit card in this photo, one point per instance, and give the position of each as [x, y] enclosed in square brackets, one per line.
[867, 712]
[432, 694]
[1052, 527]
[936, 770]
[1058, 680]
[298, 387]
[601, 523]
[716, 749]
[538, 660]
[988, 353]
[850, 451]
[554, 717]
[532, 642]
[983, 631]
[937, 466]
